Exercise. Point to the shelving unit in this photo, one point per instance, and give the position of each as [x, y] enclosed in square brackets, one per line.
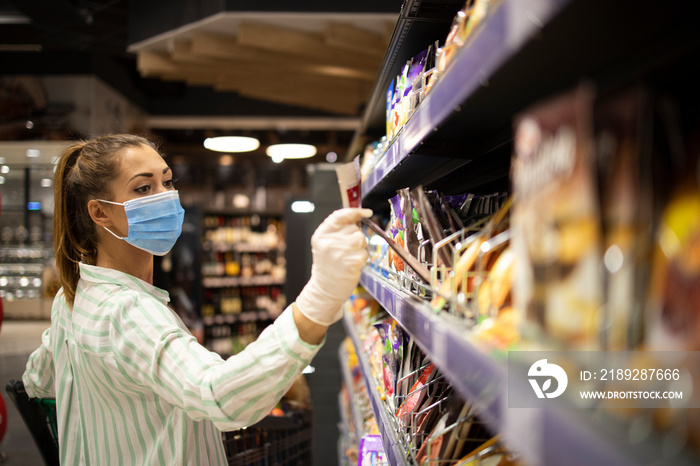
[242, 276]
[21, 281]
[385, 421]
[347, 378]
[459, 140]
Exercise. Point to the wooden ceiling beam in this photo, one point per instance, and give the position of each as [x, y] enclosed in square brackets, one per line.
[227, 48]
[154, 64]
[348, 37]
[302, 44]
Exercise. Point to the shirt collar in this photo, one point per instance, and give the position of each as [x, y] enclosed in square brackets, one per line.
[101, 275]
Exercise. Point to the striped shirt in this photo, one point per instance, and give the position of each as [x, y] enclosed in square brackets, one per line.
[133, 386]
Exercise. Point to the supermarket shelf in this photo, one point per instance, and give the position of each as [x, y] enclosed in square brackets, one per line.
[474, 374]
[347, 377]
[344, 440]
[243, 247]
[526, 50]
[419, 23]
[245, 316]
[394, 452]
[510, 26]
[571, 438]
[225, 282]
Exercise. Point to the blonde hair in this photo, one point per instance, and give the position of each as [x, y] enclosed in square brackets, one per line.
[84, 172]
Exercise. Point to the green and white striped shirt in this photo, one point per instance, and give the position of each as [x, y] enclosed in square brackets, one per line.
[133, 386]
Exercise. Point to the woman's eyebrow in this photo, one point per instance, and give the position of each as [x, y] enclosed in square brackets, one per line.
[149, 175]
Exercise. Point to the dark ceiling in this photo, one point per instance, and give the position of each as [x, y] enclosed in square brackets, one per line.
[84, 37]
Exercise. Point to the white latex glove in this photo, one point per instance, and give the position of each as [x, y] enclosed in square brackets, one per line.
[339, 250]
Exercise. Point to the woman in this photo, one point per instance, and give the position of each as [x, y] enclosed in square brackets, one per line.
[132, 385]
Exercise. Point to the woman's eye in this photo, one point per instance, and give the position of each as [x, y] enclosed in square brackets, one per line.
[169, 183]
[143, 189]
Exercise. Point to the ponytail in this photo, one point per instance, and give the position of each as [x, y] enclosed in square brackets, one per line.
[85, 171]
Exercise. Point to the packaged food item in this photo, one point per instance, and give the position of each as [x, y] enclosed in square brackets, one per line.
[494, 291]
[555, 221]
[396, 232]
[417, 395]
[460, 279]
[415, 82]
[393, 353]
[475, 11]
[673, 318]
[350, 181]
[410, 220]
[372, 451]
[430, 222]
[446, 53]
[389, 110]
[626, 230]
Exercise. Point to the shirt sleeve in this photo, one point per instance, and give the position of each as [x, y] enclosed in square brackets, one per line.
[38, 377]
[150, 346]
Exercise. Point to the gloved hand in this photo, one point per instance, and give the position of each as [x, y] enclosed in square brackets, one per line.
[339, 250]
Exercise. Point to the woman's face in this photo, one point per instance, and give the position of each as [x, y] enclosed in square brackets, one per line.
[143, 172]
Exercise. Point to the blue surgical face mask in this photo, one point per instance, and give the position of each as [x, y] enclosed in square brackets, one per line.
[155, 222]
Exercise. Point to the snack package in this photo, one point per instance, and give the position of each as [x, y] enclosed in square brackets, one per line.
[475, 11]
[350, 183]
[446, 53]
[430, 222]
[396, 228]
[372, 451]
[410, 219]
[626, 231]
[389, 110]
[555, 221]
[415, 80]
[417, 394]
[392, 356]
[673, 318]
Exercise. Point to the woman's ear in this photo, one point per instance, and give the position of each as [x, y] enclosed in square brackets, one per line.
[98, 214]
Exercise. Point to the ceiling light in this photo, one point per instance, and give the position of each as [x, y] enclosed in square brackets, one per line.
[331, 157]
[2, 180]
[291, 151]
[33, 153]
[5, 169]
[303, 207]
[277, 158]
[241, 201]
[226, 160]
[231, 144]
[46, 182]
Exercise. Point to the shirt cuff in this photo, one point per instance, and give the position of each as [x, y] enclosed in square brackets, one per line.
[287, 334]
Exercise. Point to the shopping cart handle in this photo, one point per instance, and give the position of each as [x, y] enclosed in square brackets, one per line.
[35, 420]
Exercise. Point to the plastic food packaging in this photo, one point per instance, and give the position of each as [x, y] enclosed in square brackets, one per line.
[618, 133]
[350, 182]
[371, 451]
[556, 222]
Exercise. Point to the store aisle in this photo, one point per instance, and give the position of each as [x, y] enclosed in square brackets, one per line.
[17, 340]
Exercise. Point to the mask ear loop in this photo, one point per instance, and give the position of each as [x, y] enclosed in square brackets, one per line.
[113, 234]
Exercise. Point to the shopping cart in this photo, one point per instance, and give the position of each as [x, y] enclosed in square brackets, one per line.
[39, 415]
[274, 441]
